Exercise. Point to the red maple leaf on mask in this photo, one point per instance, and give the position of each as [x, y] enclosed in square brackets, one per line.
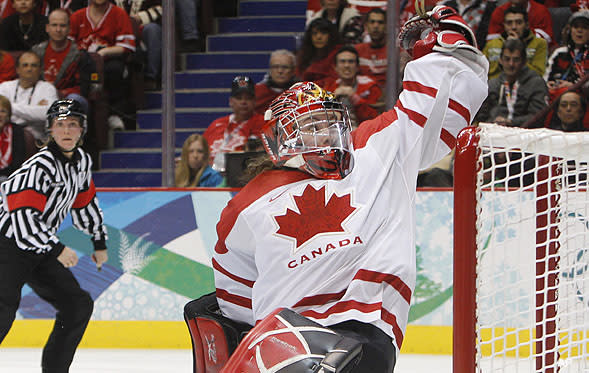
[314, 215]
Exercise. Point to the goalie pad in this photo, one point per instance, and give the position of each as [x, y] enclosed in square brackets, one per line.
[287, 342]
[214, 337]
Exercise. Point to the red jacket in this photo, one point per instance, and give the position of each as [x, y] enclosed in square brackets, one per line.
[321, 69]
[539, 20]
[7, 69]
[373, 62]
[226, 135]
[367, 93]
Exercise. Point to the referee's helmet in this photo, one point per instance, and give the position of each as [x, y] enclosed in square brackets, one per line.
[66, 108]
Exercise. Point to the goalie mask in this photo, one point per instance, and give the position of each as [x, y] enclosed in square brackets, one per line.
[307, 129]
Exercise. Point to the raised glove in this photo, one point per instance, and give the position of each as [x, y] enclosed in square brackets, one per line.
[440, 30]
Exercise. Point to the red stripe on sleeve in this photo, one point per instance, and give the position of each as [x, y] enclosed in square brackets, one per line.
[394, 281]
[344, 306]
[84, 198]
[26, 198]
[236, 278]
[413, 115]
[368, 128]
[235, 299]
[430, 91]
[461, 110]
[420, 88]
[390, 319]
[320, 299]
[361, 275]
[448, 138]
[341, 307]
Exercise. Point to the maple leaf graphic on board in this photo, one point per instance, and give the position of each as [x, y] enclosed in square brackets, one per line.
[314, 216]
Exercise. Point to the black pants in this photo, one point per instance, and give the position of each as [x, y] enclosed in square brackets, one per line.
[53, 283]
[378, 351]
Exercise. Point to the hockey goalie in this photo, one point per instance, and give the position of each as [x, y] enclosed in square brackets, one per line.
[315, 260]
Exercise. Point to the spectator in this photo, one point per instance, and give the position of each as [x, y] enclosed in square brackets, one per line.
[515, 24]
[29, 96]
[336, 12]
[24, 28]
[7, 69]
[517, 93]
[62, 63]
[477, 13]
[569, 63]
[70, 5]
[357, 92]
[106, 29]
[315, 57]
[187, 14]
[280, 77]
[539, 19]
[148, 14]
[44, 7]
[373, 54]
[192, 168]
[571, 108]
[16, 144]
[231, 132]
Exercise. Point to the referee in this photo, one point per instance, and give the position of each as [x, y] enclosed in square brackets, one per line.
[35, 200]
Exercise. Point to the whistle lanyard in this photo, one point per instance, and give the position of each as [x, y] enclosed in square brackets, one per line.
[578, 62]
[510, 97]
[30, 96]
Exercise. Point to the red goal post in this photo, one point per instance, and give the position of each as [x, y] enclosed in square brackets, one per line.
[521, 251]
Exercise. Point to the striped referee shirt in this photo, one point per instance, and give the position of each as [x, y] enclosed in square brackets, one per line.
[37, 197]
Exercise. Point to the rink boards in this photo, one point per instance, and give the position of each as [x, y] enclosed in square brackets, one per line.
[160, 245]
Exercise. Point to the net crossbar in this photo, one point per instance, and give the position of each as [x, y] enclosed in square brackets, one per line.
[521, 266]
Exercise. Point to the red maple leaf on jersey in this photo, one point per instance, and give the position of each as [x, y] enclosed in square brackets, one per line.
[315, 216]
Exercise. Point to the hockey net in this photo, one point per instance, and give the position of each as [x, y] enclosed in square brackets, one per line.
[521, 251]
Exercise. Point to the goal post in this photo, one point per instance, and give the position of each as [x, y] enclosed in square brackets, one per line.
[521, 251]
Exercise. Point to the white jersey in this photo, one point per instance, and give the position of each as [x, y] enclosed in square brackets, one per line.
[337, 250]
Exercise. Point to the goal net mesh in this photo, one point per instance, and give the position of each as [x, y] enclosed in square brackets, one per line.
[532, 256]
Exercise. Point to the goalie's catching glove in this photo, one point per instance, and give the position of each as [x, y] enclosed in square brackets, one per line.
[440, 30]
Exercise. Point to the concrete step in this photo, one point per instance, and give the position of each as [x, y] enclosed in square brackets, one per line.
[202, 79]
[272, 8]
[262, 24]
[132, 158]
[228, 60]
[189, 98]
[188, 118]
[251, 42]
[151, 139]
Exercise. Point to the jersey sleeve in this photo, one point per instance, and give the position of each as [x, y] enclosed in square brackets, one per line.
[74, 27]
[86, 213]
[234, 267]
[25, 197]
[125, 37]
[441, 94]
